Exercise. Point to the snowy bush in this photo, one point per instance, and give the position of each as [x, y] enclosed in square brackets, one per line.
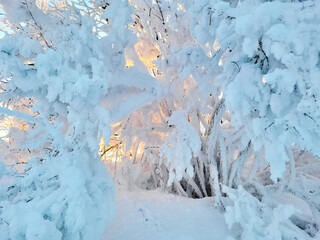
[204, 98]
[260, 220]
[55, 57]
[270, 67]
[245, 90]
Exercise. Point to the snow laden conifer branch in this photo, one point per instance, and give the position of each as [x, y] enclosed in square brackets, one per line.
[270, 63]
[206, 98]
[57, 58]
[270, 67]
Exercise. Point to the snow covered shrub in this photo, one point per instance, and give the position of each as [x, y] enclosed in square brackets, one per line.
[270, 71]
[58, 56]
[242, 91]
[165, 145]
[199, 94]
[260, 219]
[167, 135]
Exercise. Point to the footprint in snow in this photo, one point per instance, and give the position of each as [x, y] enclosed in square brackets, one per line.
[148, 218]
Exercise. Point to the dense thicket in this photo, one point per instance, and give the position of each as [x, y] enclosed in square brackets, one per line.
[204, 98]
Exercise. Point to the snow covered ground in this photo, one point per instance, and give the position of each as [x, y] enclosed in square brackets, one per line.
[154, 215]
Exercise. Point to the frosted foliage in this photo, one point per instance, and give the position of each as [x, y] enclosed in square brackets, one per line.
[270, 75]
[180, 146]
[239, 89]
[64, 190]
[205, 98]
[260, 220]
[225, 54]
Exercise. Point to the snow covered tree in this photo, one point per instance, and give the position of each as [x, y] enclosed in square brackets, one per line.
[58, 56]
[205, 98]
[237, 95]
[182, 129]
[270, 64]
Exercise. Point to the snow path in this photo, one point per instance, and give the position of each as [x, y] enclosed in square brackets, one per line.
[153, 215]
